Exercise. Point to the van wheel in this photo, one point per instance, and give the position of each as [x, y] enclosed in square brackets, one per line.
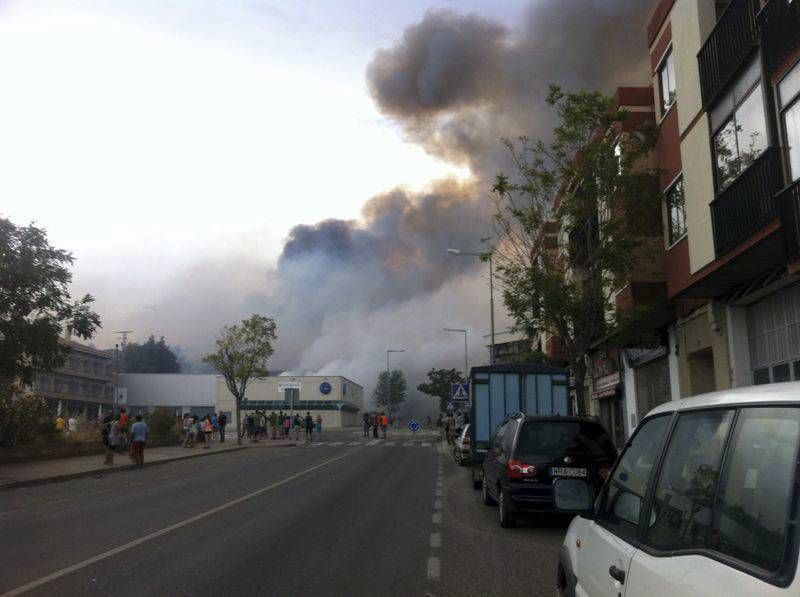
[507, 519]
[487, 499]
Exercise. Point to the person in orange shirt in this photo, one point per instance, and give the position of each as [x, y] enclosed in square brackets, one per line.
[384, 424]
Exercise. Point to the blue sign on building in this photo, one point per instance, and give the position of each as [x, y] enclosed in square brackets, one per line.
[325, 387]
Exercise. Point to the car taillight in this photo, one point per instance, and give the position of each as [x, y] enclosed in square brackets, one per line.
[603, 472]
[518, 469]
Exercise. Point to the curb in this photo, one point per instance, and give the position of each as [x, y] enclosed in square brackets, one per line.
[104, 471]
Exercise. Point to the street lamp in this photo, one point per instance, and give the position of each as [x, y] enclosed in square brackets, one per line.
[388, 385]
[466, 365]
[491, 293]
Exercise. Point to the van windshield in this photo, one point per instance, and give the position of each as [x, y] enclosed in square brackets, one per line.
[553, 439]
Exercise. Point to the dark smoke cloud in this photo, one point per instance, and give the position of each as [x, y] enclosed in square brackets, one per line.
[459, 83]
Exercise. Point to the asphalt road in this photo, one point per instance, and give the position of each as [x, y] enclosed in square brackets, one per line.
[365, 519]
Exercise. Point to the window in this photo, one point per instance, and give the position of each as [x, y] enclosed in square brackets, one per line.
[741, 139]
[553, 439]
[622, 499]
[684, 496]
[676, 206]
[761, 376]
[666, 82]
[752, 511]
[789, 97]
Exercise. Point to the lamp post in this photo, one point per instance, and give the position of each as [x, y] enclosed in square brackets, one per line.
[466, 365]
[388, 385]
[491, 294]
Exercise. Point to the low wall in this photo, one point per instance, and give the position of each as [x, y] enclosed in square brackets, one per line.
[66, 450]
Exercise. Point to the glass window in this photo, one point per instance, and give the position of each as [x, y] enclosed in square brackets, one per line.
[796, 367]
[666, 82]
[761, 376]
[756, 489]
[781, 373]
[676, 205]
[621, 503]
[791, 123]
[684, 495]
[544, 440]
[507, 442]
[741, 139]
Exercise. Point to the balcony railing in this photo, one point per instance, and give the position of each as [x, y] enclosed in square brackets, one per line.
[748, 204]
[580, 238]
[789, 202]
[734, 36]
[780, 31]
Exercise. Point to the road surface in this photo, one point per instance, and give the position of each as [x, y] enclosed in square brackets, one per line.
[344, 517]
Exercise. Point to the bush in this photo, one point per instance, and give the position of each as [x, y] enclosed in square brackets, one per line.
[162, 422]
[24, 419]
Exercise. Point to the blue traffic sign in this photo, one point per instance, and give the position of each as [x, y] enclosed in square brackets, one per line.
[459, 392]
[414, 425]
[325, 387]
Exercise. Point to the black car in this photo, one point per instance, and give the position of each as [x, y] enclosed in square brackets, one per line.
[528, 453]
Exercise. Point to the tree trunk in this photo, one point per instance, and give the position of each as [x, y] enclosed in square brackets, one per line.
[238, 421]
[579, 373]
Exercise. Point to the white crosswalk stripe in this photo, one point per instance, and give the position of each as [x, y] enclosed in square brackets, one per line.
[354, 444]
[373, 442]
[337, 444]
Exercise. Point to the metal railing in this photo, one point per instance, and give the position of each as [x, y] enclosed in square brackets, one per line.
[749, 203]
[731, 41]
[789, 203]
[780, 31]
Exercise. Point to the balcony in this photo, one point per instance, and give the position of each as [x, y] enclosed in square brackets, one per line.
[780, 31]
[731, 41]
[789, 202]
[748, 204]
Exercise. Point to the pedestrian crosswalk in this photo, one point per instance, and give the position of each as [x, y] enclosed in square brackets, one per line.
[371, 444]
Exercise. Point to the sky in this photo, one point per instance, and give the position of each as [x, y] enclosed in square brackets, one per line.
[204, 160]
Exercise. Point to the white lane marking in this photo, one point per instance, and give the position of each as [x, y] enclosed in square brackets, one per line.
[425, 445]
[437, 518]
[337, 443]
[355, 443]
[166, 530]
[320, 443]
[372, 443]
[438, 493]
[436, 539]
[437, 504]
[434, 568]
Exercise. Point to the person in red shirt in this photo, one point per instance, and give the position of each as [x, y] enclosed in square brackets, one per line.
[122, 424]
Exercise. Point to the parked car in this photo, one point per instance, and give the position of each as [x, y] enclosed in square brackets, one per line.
[461, 448]
[527, 454]
[702, 501]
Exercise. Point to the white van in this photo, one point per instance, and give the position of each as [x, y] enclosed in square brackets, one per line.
[702, 501]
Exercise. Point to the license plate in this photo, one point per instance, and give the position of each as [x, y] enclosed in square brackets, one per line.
[558, 471]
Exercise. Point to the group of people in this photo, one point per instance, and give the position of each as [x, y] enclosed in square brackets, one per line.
[375, 422]
[260, 425]
[451, 425]
[204, 430]
[118, 434]
[68, 425]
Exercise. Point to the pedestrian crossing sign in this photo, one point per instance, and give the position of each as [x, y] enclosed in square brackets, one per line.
[459, 392]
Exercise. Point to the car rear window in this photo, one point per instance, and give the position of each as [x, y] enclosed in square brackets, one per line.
[552, 439]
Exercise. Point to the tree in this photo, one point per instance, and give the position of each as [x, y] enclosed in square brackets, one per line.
[593, 186]
[397, 388]
[150, 357]
[35, 303]
[242, 352]
[438, 385]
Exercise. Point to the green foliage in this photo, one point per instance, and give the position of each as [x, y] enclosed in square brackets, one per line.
[162, 423]
[35, 303]
[150, 357]
[24, 419]
[438, 385]
[592, 189]
[397, 390]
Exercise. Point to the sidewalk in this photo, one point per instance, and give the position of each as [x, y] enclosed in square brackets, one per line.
[47, 471]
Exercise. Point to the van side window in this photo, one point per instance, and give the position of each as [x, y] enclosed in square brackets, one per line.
[508, 437]
[684, 496]
[498, 436]
[756, 490]
[621, 504]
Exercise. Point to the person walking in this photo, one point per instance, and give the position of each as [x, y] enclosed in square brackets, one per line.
[319, 425]
[309, 421]
[376, 421]
[384, 420]
[123, 421]
[366, 424]
[60, 424]
[138, 439]
[222, 420]
[208, 429]
[286, 425]
[112, 441]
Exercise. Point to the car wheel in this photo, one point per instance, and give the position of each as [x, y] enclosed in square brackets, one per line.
[507, 519]
[564, 587]
[476, 484]
[488, 500]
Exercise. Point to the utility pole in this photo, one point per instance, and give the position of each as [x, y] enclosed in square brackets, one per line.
[491, 292]
[466, 362]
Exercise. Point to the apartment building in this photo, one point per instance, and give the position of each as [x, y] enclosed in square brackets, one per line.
[727, 82]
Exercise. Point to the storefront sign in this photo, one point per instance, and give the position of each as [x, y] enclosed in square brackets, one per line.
[288, 385]
[605, 372]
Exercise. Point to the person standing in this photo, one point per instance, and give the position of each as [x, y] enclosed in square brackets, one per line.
[123, 421]
[376, 422]
[298, 423]
[214, 425]
[138, 438]
[186, 425]
[72, 425]
[112, 441]
[194, 428]
[222, 420]
[208, 429]
[273, 421]
[286, 424]
[319, 425]
[384, 420]
[366, 424]
[309, 427]
[60, 424]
